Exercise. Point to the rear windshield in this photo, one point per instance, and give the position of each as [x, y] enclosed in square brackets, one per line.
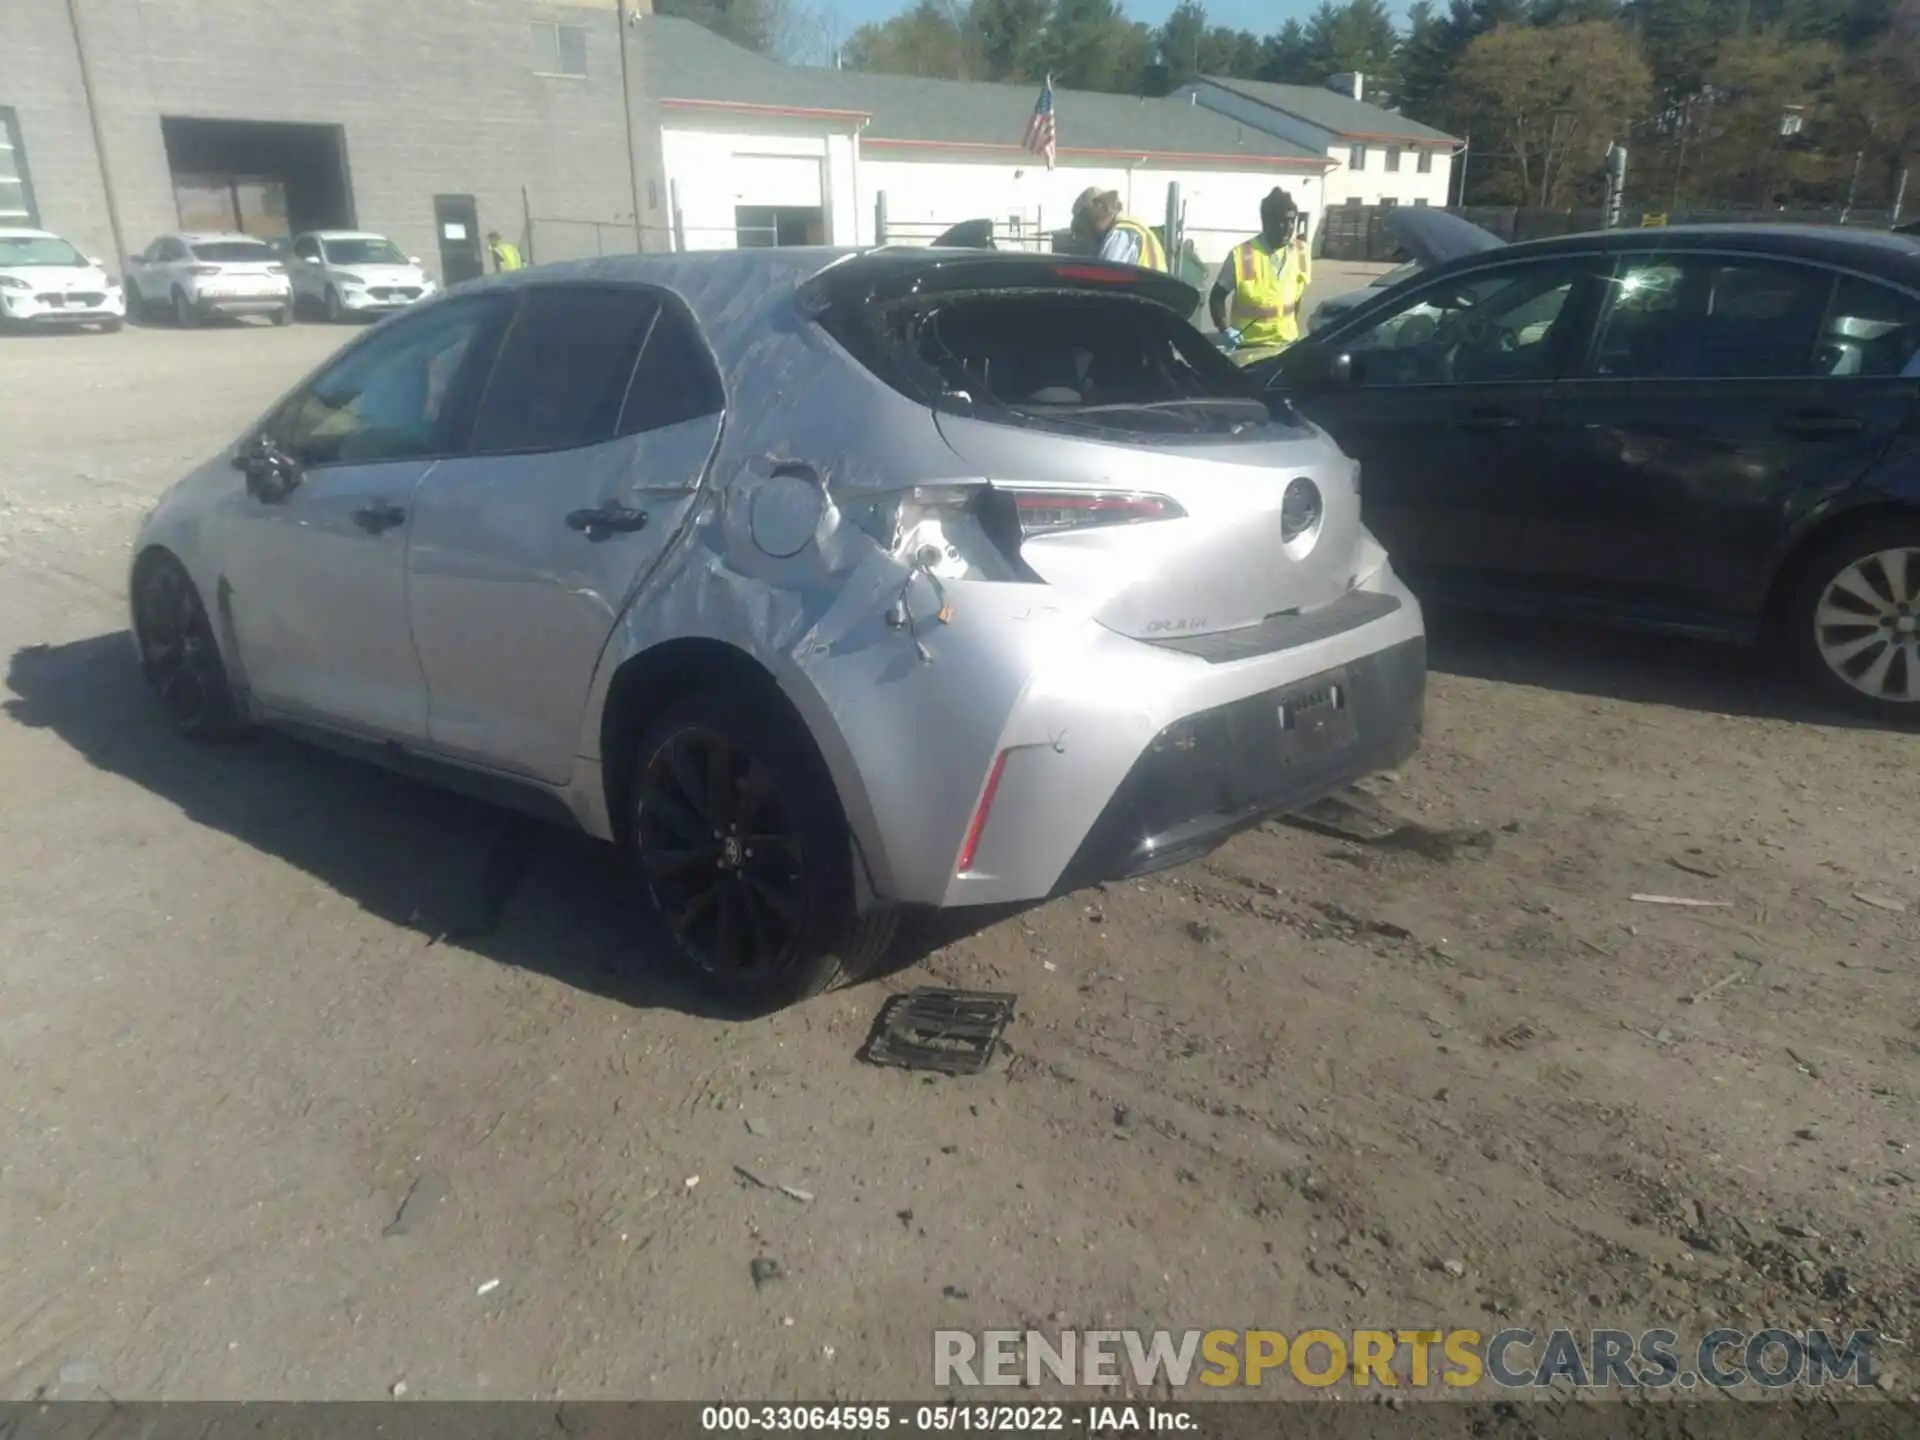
[234, 251]
[1098, 364]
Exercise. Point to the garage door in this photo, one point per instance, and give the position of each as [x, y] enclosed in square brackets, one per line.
[780, 180]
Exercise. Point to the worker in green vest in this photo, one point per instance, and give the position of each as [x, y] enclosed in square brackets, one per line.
[1264, 279]
[1103, 230]
[506, 256]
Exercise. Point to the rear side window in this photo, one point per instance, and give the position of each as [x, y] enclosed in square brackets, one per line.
[565, 369]
[1101, 363]
[1870, 331]
[675, 379]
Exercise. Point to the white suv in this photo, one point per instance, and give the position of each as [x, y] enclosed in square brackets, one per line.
[194, 276]
[345, 273]
[45, 281]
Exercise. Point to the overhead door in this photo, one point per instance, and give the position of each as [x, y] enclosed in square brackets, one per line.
[783, 181]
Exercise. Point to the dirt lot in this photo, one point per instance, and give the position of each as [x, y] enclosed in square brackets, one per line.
[1307, 1082]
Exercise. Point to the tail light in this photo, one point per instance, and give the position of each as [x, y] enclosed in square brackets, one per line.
[1048, 512]
[205, 270]
[953, 532]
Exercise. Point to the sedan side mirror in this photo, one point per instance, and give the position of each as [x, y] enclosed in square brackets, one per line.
[271, 473]
[96, 262]
[1338, 370]
[413, 259]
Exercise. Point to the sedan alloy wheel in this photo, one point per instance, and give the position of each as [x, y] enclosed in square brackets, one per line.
[1863, 631]
[179, 652]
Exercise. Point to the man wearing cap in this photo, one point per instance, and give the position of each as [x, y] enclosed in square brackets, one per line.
[1264, 278]
[1099, 225]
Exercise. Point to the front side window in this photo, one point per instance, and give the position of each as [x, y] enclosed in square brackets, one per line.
[307, 249]
[1512, 324]
[400, 394]
[1708, 317]
[564, 369]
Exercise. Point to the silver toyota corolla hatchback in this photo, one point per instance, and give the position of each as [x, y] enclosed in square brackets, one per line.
[829, 584]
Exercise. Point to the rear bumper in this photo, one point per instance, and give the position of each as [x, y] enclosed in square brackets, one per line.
[1209, 776]
[1070, 753]
[242, 304]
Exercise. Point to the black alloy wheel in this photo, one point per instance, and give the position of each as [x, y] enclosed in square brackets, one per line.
[743, 848]
[179, 653]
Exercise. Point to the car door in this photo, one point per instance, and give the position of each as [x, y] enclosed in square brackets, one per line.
[1439, 397]
[1726, 396]
[591, 444]
[148, 273]
[316, 577]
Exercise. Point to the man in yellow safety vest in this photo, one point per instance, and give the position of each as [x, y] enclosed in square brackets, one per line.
[1099, 225]
[1264, 278]
[506, 255]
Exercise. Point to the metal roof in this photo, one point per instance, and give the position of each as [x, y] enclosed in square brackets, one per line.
[1345, 116]
[691, 67]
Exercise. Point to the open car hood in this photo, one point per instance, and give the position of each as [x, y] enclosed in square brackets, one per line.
[1434, 237]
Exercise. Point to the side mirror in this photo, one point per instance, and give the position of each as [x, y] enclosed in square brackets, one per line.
[413, 259]
[1338, 370]
[271, 473]
[96, 262]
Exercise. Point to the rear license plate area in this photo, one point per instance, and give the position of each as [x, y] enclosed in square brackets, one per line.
[1314, 719]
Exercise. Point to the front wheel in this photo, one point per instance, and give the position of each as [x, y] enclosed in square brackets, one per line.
[179, 652]
[744, 851]
[1856, 616]
[336, 312]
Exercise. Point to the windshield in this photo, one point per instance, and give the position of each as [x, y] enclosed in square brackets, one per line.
[1091, 362]
[374, 251]
[38, 250]
[235, 250]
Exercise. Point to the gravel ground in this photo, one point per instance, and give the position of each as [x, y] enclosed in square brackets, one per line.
[245, 1014]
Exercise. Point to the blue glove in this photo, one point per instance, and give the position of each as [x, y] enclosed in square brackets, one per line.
[1232, 337]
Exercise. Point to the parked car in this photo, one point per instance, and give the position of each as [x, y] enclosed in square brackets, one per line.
[1712, 431]
[44, 281]
[826, 583]
[197, 276]
[351, 274]
[1438, 236]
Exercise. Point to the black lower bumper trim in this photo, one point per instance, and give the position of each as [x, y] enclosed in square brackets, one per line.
[1209, 776]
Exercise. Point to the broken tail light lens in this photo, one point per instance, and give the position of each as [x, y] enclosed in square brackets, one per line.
[953, 532]
[1048, 512]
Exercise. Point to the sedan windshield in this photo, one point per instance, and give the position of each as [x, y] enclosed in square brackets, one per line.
[236, 251]
[37, 250]
[374, 251]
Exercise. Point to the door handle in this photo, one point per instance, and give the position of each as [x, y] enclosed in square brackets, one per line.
[1816, 424]
[375, 518]
[614, 519]
[1488, 420]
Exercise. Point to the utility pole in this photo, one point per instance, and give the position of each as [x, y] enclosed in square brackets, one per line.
[99, 137]
[625, 19]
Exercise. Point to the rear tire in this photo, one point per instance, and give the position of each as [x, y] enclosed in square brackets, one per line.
[1855, 620]
[184, 315]
[744, 851]
[284, 315]
[179, 653]
[111, 327]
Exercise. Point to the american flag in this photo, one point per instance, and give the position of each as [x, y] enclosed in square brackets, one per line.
[1040, 132]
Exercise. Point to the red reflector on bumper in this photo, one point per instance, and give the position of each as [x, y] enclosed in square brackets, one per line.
[980, 814]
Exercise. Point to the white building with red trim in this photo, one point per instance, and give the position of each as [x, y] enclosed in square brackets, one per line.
[759, 153]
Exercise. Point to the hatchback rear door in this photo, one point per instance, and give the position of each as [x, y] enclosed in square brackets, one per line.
[587, 454]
